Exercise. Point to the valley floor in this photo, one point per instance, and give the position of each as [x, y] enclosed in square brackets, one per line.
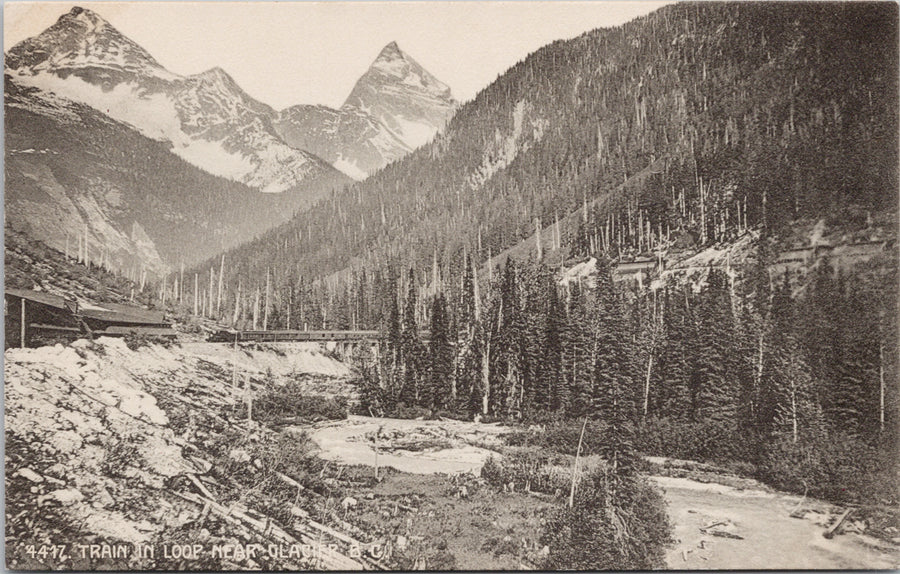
[146, 447]
[769, 537]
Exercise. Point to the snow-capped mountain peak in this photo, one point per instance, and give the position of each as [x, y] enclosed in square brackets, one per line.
[216, 75]
[90, 19]
[395, 107]
[395, 64]
[81, 39]
[206, 118]
[401, 94]
[389, 53]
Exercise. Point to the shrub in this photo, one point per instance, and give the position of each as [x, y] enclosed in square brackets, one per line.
[561, 437]
[288, 402]
[121, 453]
[836, 468]
[625, 530]
[702, 440]
[457, 416]
[528, 469]
[401, 411]
[135, 341]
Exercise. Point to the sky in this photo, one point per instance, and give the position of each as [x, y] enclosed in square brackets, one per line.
[286, 53]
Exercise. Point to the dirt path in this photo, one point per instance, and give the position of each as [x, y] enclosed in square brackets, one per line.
[771, 538]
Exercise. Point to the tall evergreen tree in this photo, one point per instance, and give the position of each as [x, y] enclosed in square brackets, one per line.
[553, 383]
[410, 348]
[714, 391]
[789, 407]
[468, 363]
[674, 393]
[440, 351]
[613, 390]
[511, 341]
[577, 344]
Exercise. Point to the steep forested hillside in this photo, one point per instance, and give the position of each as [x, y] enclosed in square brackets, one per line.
[733, 116]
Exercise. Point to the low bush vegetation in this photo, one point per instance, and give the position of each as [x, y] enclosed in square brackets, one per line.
[289, 403]
[708, 441]
[615, 523]
[846, 470]
[561, 437]
[529, 470]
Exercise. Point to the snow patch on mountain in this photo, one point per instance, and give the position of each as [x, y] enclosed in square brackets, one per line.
[414, 134]
[207, 118]
[153, 115]
[504, 149]
[350, 168]
[212, 157]
[394, 108]
[402, 96]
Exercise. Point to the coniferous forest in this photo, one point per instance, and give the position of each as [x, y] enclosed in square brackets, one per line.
[695, 128]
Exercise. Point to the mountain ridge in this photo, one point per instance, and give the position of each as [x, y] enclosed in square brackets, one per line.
[73, 171]
[84, 58]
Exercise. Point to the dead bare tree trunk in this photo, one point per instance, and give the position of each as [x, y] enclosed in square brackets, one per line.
[647, 385]
[211, 297]
[575, 464]
[486, 376]
[256, 309]
[266, 307]
[196, 293]
[237, 305]
[219, 294]
[881, 386]
[793, 412]
[248, 397]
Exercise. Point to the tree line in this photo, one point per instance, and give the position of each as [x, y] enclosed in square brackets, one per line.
[741, 367]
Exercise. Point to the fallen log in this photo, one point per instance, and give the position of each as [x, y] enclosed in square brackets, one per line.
[718, 528]
[306, 524]
[334, 533]
[203, 465]
[309, 529]
[834, 527]
[289, 481]
[327, 558]
[203, 490]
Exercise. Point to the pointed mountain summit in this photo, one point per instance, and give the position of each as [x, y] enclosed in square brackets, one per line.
[392, 62]
[79, 40]
[391, 51]
[83, 74]
[395, 107]
[404, 96]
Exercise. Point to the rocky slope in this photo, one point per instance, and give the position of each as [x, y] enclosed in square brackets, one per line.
[73, 171]
[394, 108]
[107, 445]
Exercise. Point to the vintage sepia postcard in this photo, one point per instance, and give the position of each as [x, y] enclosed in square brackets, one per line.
[483, 285]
